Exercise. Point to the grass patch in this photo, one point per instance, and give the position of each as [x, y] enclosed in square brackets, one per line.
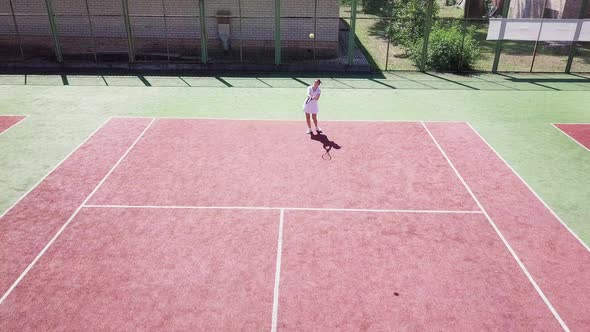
[516, 56]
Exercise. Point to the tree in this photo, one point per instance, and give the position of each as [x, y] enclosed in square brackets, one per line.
[378, 7]
[408, 21]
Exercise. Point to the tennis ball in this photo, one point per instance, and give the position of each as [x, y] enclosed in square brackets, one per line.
[311, 35]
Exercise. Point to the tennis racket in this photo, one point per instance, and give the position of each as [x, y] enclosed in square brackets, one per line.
[308, 100]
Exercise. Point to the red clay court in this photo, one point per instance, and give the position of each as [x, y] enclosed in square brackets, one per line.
[578, 132]
[7, 121]
[182, 224]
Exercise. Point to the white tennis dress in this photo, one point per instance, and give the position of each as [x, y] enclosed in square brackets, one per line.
[311, 106]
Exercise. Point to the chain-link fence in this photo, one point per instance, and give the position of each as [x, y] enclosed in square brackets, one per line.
[393, 34]
[383, 34]
[25, 31]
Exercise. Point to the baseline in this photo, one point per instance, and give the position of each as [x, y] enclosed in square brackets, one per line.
[273, 208]
[278, 120]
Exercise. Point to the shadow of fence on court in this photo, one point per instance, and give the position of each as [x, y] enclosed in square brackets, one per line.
[380, 81]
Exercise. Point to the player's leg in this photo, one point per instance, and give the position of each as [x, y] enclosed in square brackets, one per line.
[308, 123]
[315, 122]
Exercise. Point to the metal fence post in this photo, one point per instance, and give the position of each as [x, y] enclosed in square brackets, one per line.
[315, 26]
[570, 58]
[352, 33]
[54, 33]
[427, 27]
[538, 37]
[20, 43]
[388, 34]
[204, 38]
[505, 9]
[127, 19]
[166, 30]
[464, 31]
[91, 31]
[241, 33]
[277, 32]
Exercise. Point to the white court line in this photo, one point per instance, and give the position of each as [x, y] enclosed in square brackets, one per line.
[14, 125]
[531, 189]
[566, 134]
[283, 120]
[275, 301]
[273, 208]
[55, 167]
[63, 227]
[514, 255]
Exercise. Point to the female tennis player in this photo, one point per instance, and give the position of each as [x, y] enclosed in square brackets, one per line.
[311, 106]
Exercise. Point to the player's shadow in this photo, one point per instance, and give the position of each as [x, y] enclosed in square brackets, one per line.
[328, 145]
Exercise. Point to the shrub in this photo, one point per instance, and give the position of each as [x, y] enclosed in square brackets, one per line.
[373, 7]
[447, 49]
[405, 19]
[376, 7]
[409, 19]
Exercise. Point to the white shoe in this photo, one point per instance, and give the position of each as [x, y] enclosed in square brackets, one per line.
[319, 130]
[309, 131]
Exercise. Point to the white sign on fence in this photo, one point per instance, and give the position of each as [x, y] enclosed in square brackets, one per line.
[543, 29]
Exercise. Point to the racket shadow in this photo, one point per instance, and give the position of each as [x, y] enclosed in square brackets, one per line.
[328, 145]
